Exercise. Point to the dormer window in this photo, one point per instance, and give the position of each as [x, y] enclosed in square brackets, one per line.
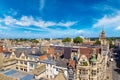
[84, 63]
[23, 57]
[93, 64]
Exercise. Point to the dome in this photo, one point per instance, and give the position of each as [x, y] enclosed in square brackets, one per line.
[93, 59]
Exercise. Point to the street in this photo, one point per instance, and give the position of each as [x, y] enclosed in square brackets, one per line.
[115, 71]
[115, 67]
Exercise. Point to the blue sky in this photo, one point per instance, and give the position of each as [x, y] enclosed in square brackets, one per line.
[58, 18]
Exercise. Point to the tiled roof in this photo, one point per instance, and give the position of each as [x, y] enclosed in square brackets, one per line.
[61, 63]
[43, 57]
[1, 49]
[27, 51]
[88, 51]
[72, 63]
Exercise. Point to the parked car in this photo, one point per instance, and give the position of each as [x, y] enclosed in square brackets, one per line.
[111, 59]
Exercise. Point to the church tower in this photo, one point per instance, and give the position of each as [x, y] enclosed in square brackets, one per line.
[102, 37]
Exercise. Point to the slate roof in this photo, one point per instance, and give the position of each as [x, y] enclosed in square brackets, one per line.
[67, 52]
[27, 52]
[52, 62]
[62, 63]
[7, 54]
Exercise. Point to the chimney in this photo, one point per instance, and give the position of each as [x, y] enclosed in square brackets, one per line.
[33, 51]
[1, 49]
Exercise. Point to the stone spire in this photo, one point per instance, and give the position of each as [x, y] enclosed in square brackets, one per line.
[102, 37]
[102, 34]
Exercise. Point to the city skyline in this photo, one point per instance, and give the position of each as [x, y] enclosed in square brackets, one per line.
[59, 18]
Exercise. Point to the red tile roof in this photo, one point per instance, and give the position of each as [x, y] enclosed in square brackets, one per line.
[72, 63]
[1, 49]
[43, 57]
[51, 50]
[88, 51]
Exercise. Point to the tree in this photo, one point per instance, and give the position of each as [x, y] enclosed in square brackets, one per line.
[111, 44]
[35, 41]
[97, 42]
[67, 39]
[78, 40]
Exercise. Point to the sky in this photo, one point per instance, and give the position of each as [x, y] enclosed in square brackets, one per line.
[59, 18]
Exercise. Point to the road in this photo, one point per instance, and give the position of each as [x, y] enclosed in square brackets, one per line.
[115, 69]
[115, 72]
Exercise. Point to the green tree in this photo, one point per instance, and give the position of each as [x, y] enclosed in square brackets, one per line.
[97, 42]
[78, 40]
[67, 39]
[35, 41]
[111, 44]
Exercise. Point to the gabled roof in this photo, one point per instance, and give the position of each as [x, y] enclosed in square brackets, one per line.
[27, 51]
[71, 63]
[60, 76]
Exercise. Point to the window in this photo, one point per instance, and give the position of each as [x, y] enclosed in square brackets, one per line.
[16, 67]
[23, 57]
[83, 71]
[93, 72]
[93, 64]
[31, 65]
[97, 70]
[25, 63]
[50, 77]
[56, 69]
[21, 69]
[25, 70]
[21, 62]
[50, 65]
[84, 63]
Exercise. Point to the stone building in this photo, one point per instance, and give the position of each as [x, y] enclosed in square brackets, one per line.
[92, 62]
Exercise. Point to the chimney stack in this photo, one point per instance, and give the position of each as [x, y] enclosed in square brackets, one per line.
[1, 49]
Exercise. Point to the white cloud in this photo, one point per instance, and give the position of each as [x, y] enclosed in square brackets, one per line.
[42, 4]
[117, 28]
[65, 33]
[67, 24]
[29, 21]
[108, 21]
[4, 27]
